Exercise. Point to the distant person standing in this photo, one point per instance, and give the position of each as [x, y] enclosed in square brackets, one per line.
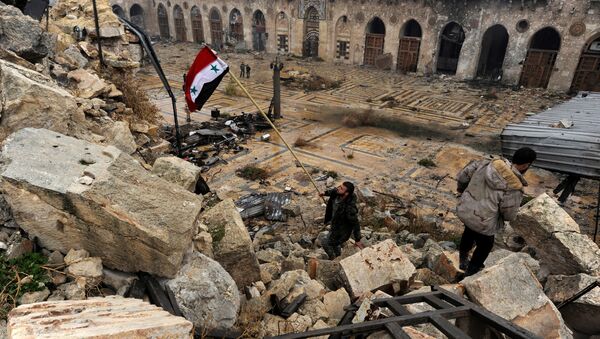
[242, 70]
[248, 71]
[491, 193]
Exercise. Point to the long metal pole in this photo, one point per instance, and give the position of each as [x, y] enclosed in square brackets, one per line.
[98, 34]
[276, 131]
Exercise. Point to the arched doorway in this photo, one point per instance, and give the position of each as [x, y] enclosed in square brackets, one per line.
[236, 25]
[310, 45]
[259, 31]
[540, 59]
[282, 25]
[493, 50]
[179, 24]
[587, 75]
[374, 40]
[197, 30]
[163, 22]
[408, 49]
[451, 42]
[342, 39]
[216, 29]
[136, 13]
[119, 11]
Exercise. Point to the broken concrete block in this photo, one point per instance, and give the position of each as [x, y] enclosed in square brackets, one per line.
[582, 315]
[446, 265]
[110, 317]
[22, 34]
[335, 302]
[232, 245]
[269, 255]
[177, 171]
[89, 85]
[129, 218]
[30, 99]
[510, 290]
[74, 256]
[119, 135]
[376, 266]
[315, 309]
[500, 255]
[89, 268]
[206, 293]
[273, 325]
[34, 297]
[556, 237]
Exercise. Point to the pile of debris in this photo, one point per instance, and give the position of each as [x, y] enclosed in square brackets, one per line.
[307, 81]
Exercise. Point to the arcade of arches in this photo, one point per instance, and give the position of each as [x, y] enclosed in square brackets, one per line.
[533, 46]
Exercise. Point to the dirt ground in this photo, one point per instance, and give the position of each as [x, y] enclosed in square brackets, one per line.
[374, 129]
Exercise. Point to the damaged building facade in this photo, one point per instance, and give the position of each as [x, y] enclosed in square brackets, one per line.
[552, 44]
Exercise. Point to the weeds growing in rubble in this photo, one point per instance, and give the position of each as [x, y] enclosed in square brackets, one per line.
[301, 142]
[134, 97]
[250, 172]
[19, 276]
[426, 162]
[232, 89]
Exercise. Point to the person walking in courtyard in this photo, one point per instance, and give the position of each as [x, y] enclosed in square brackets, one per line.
[342, 212]
[491, 193]
[242, 70]
[248, 71]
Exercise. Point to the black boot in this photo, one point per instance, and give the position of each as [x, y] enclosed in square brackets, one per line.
[463, 263]
[472, 270]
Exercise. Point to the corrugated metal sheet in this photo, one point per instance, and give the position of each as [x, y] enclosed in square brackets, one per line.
[574, 150]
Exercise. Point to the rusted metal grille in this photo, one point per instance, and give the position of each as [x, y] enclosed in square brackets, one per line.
[587, 75]
[179, 24]
[163, 22]
[408, 54]
[447, 306]
[537, 68]
[373, 47]
[197, 30]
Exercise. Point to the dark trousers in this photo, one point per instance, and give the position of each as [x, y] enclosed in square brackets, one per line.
[483, 243]
[333, 248]
[242, 74]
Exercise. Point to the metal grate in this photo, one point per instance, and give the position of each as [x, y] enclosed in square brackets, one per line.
[447, 306]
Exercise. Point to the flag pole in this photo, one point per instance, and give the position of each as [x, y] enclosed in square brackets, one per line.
[276, 131]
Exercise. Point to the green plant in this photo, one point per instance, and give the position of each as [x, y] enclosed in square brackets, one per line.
[250, 172]
[19, 276]
[134, 97]
[232, 89]
[426, 162]
[217, 232]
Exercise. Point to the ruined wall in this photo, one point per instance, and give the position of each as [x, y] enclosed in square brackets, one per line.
[577, 21]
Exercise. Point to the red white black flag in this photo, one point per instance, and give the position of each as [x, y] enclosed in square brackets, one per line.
[203, 78]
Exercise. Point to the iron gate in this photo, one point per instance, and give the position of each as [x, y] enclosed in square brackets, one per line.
[408, 54]
[587, 75]
[179, 25]
[163, 22]
[197, 30]
[537, 68]
[373, 47]
[216, 32]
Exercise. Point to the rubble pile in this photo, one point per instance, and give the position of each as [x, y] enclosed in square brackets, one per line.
[307, 81]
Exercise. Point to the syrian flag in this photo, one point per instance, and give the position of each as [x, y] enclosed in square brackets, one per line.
[202, 79]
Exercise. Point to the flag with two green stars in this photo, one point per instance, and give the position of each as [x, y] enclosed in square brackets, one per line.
[202, 79]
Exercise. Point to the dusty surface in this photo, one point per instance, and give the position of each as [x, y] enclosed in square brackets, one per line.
[432, 118]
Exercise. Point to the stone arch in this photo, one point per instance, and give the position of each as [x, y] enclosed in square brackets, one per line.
[541, 56]
[310, 45]
[163, 21]
[374, 40]
[236, 25]
[342, 38]
[259, 31]
[282, 29]
[118, 10]
[179, 23]
[216, 28]
[451, 41]
[136, 13]
[197, 29]
[587, 74]
[493, 51]
[409, 46]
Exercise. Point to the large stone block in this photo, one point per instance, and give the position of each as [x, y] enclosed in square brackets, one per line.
[510, 290]
[206, 293]
[556, 237]
[177, 171]
[376, 266]
[232, 246]
[21, 34]
[110, 317]
[29, 99]
[73, 194]
[583, 314]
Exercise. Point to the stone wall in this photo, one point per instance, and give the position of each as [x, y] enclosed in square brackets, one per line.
[576, 21]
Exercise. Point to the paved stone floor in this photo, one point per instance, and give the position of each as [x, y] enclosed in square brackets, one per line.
[435, 118]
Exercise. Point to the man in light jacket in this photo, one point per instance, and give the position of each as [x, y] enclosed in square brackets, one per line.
[491, 193]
